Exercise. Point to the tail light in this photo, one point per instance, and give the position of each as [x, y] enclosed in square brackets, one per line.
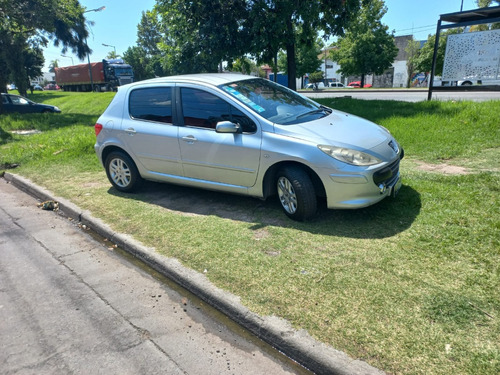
[98, 128]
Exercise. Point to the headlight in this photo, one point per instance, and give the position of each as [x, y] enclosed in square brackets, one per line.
[387, 130]
[349, 156]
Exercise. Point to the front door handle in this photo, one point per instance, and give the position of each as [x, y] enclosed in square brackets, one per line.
[189, 139]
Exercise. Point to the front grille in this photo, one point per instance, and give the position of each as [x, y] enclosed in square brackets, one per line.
[125, 80]
[388, 175]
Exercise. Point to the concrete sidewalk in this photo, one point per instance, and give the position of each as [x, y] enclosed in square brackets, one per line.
[298, 345]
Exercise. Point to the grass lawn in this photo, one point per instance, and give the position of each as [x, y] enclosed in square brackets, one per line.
[411, 285]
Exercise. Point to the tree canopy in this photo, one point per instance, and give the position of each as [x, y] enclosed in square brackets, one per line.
[197, 36]
[367, 47]
[28, 25]
[423, 59]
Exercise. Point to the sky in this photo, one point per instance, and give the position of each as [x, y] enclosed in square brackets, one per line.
[116, 25]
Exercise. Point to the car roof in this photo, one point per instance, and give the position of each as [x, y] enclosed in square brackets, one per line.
[214, 79]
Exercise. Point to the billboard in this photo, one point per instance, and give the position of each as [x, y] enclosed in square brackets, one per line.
[472, 56]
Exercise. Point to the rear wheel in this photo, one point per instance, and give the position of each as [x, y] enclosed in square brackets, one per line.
[122, 172]
[296, 193]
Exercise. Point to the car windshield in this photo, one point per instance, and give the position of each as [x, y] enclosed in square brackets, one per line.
[275, 102]
[123, 71]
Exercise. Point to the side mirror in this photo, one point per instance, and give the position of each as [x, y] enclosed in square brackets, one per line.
[227, 127]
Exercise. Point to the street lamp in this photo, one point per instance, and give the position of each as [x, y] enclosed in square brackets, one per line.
[107, 45]
[88, 55]
[95, 10]
[69, 57]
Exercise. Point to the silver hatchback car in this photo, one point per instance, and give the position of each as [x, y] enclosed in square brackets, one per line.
[245, 135]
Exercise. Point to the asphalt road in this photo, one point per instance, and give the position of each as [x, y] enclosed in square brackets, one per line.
[70, 303]
[403, 95]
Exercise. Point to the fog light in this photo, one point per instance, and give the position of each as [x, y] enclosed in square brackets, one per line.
[382, 188]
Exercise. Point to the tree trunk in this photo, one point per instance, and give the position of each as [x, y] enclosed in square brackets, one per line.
[290, 57]
[362, 81]
[275, 67]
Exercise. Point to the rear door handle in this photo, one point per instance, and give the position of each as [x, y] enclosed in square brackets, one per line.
[130, 131]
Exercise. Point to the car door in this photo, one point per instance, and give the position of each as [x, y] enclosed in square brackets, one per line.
[6, 104]
[149, 132]
[225, 158]
[19, 104]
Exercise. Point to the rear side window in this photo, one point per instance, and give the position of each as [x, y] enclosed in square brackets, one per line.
[152, 104]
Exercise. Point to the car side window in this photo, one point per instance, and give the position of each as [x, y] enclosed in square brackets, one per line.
[203, 109]
[18, 100]
[152, 104]
[5, 100]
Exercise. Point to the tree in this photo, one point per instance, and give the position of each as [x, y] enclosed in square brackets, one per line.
[367, 47]
[289, 23]
[316, 77]
[144, 66]
[53, 64]
[423, 61]
[32, 24]
[148, 33]
[146, 58]
[307, 58]
[412, 51]
[198, 35]
[483, 27]
[486, 3]
[246, 65]
[112, 55]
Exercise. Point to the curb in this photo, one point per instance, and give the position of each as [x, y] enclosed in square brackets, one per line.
[298, 345]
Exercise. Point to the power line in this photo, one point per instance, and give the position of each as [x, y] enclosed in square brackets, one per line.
[416, 28]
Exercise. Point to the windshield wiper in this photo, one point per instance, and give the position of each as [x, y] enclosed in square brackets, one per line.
[321, 109]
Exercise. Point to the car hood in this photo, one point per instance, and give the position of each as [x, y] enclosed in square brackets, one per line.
[338, 129]
[48, 106]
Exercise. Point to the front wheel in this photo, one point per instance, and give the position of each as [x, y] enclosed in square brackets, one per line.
[122, 172]
[296, 193]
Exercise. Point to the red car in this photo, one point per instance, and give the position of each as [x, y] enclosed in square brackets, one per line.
[357, 84]
[51, 86]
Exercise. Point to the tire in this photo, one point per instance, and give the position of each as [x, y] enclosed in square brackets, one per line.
[296, 193]
[122, 172]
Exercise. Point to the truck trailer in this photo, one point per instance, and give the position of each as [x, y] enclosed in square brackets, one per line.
[106, 75]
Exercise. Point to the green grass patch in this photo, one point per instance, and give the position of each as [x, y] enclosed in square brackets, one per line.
[410, 285]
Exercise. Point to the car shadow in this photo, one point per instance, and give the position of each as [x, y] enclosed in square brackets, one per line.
[385, 219]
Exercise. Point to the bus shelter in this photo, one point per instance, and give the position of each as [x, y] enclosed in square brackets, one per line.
[484, 59]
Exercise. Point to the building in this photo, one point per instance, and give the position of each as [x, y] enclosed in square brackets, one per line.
[396, 76]
[45, 77]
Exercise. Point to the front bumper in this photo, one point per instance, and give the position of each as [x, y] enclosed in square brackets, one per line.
[357, 190]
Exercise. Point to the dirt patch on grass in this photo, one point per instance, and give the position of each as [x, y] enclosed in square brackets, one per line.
[443, 168]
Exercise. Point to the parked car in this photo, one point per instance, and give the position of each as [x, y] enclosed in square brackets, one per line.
[357, 84]
[11, 87]
[51, 86]
[38, 88]
[315, 86]
[16, 103]
[337, 85]
[475, 81]
[245, 135]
